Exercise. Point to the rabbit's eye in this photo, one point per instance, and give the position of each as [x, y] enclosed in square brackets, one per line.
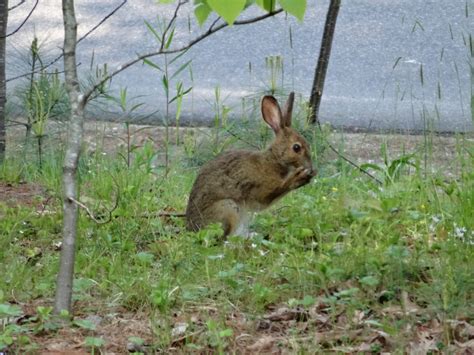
[296, 148]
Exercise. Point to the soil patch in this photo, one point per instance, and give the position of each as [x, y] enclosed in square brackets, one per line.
[438, 152]
[281, 329]
[22, 194]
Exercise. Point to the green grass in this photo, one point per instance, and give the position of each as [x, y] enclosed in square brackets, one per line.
[343, 242]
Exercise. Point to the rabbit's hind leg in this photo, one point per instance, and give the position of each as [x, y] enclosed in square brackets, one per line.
[229, 213]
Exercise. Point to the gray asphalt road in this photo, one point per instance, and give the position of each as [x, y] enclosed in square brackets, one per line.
[395, 64]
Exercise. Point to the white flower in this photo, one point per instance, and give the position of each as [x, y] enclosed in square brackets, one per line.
[459, 232]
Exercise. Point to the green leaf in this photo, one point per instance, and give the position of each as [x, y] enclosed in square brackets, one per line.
[94, 342]
[153, 31]
[136, 340]
[369, 281]
[151, 64]
[308, 301]
[347, 293]
[123, 99]
[267, 5]
[9, 310]
[170, 39]
[296, 8]
[180, 69]
[374, 323]
[306, 233]
[228, 10]
[84, 324]
[165, 83]
[181, 94]
[398, 252]
[293, 302]
[145, 258]
[226, 333]
[178, 56]
[201, 11]
[5, 341]
[137, 106]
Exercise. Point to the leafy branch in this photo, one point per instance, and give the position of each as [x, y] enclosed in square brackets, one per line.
[211, 30]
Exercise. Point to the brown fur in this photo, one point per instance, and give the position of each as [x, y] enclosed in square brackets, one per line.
[238, 182]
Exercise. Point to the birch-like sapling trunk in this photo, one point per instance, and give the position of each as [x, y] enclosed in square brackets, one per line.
[73, 148]
[3, 87]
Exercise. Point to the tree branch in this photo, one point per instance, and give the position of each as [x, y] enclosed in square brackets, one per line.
[196, 40]
[350, 162]
[347, 160]
[24, 21]
[110, 14]
[91, 214]
[17, 5]
[170, 23]
[55, 60]
[323, 60]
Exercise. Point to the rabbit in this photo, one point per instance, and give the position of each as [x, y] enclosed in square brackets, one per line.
[237, 183]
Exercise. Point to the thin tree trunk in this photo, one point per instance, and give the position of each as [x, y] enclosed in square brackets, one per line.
[40, 152]
[323, 61]
[70, 209]
[3, 87]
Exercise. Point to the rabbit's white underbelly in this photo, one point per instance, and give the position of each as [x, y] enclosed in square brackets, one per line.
[246, 213]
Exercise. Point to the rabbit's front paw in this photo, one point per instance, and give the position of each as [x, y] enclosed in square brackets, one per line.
[301, 176]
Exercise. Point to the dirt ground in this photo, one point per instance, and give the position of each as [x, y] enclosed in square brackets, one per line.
[274, 332]
[25, 194]
[359, 147]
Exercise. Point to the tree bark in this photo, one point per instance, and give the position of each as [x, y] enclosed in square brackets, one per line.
[323, 61]
[73, 149]
[3, 87]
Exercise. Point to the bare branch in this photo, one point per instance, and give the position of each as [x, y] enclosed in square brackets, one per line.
[55, 60]
[88, 211]
[24, 21]
[347, 160]
[170, 23]
[18, 123]
[17, 5]
[196, 40]
[350, 162]
[110, 14]
[109, 212]
[91, 214]
[163, 214]
[241, 139]
[214, 23]
[171, 214]
[44, 205]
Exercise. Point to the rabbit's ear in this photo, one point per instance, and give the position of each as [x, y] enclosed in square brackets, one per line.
[287, 110]
[271, 113]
